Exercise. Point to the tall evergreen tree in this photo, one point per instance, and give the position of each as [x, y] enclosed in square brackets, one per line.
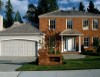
[52, 5]
[30, 14]
[91, 7]
[18, 17]
[81, 7]
[1, 4]
[42, 7]
[9, 14]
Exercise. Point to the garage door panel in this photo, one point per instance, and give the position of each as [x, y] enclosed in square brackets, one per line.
[18, 48]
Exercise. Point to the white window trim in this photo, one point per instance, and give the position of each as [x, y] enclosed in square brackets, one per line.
[82, 24]
[83, 42]
[92, 25]
[66, 23]
[49, 25]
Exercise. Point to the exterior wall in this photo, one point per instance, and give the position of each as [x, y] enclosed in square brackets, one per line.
[77, 25]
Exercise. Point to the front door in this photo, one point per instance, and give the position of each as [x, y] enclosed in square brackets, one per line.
[69, 44]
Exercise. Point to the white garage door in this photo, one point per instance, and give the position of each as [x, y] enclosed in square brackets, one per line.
[18, 48]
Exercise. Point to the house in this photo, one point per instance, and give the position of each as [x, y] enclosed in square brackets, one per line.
[19, 40]
[76, 28]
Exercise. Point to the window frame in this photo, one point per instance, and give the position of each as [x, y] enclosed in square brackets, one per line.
[88, 42]
[83, 24]
[93, 24]
[70, 25]
[53, 25]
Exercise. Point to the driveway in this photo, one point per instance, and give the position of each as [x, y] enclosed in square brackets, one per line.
[12, 63]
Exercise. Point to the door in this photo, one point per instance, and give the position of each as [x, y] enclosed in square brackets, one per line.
[18, 48]
[69, 44]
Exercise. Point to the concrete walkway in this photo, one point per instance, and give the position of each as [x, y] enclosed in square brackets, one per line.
[68, 73]
[8, 64]
[73, 56]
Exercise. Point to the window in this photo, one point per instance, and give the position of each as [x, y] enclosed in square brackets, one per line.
[52, 41]
[95, 40]
[52, 24]
[69, 24]
[95, 24]
[86, 42]
[85, 24]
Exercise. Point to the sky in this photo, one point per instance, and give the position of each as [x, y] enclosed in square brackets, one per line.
[21, 5]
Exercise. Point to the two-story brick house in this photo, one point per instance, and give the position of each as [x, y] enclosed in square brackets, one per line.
[76, 28]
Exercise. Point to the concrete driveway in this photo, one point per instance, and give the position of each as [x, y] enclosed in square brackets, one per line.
[12, 63]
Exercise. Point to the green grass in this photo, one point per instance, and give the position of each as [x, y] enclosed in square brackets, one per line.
[90, 62]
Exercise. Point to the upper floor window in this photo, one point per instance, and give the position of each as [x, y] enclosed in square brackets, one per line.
[69, 24]
[52, 24]
[85, 24]
[95, 24]
[86, 42]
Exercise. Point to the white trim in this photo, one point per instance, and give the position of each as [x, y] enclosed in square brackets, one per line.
[62, 44]
[79, 43]
[66, 23]
[49, 24]
[92, 24]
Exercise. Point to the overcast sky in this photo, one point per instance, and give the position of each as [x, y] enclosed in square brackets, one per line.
[21, 5]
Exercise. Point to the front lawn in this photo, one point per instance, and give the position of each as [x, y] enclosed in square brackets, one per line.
[90, 62]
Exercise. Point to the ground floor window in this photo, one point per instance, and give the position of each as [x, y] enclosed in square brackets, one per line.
[95, 40]
[86, 41]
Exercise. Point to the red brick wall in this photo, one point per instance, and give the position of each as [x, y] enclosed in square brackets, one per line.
[77, 25]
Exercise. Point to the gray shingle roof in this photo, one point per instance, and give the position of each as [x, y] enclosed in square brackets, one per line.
[69, 32]
[19, 29]
[71, 13]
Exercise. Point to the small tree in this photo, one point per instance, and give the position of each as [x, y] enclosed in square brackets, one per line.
[52, 41]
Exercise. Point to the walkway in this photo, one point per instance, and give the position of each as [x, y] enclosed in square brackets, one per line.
[68, 73]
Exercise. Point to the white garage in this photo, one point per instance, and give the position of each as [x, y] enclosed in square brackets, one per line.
[18, 48]
[20, 40]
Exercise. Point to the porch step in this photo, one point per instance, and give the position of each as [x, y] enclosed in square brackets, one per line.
[73, 56]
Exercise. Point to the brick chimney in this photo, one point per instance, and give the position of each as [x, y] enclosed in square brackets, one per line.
[1, 23]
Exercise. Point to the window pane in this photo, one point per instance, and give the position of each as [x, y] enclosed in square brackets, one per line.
[95, 24]
[86, 42]
[85, 24]
[52, 24]
[69, 24]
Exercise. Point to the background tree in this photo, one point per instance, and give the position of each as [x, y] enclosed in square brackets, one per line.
[42, 7]
[81, 7]
[30, 14]
[18, 17]
[91, 8]
[1, 5]
[8, 14]
[52, 5]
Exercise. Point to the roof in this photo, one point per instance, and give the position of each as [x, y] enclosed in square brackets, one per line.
[69, 32]
[20, 29]
[71, 13]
